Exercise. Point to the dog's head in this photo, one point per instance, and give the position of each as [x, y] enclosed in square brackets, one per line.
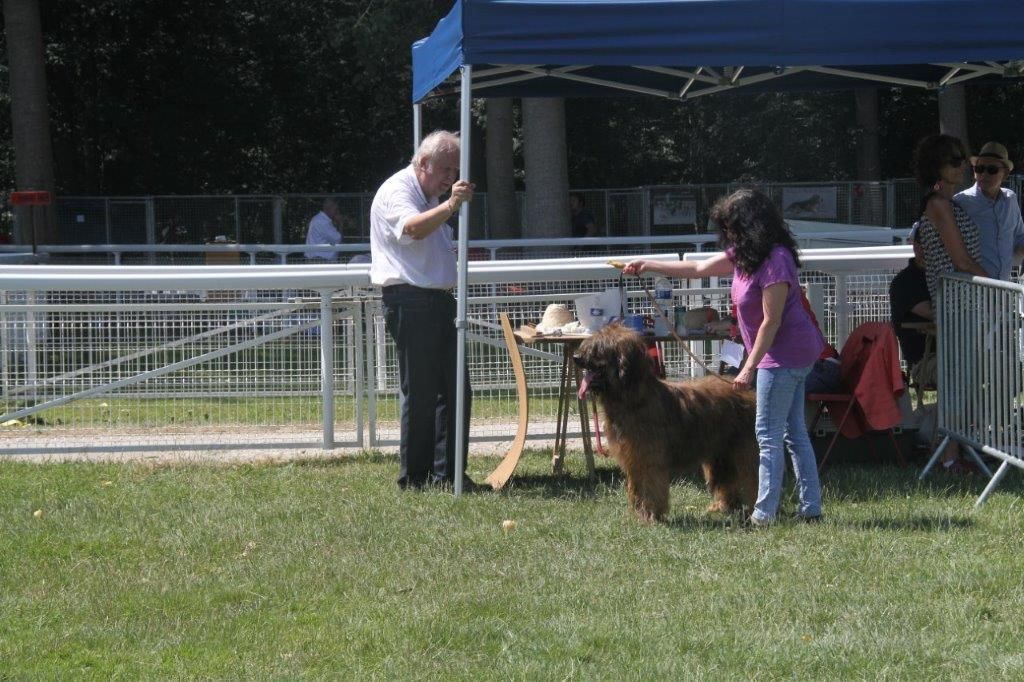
[613, 360]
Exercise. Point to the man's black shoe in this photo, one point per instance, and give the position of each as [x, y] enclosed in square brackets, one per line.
[412, 484]
[468, 485]
[800, 518]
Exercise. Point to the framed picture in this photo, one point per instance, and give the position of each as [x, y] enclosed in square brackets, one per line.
[809, 202]
[674, 209]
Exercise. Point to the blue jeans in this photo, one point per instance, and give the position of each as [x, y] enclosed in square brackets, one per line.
[780, 423]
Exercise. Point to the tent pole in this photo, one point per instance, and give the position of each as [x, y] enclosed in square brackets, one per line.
[460, 319]
[417, 127]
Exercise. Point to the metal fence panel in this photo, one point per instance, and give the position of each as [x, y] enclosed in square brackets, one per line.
[177, 369]
[233, 367]
[980, 371]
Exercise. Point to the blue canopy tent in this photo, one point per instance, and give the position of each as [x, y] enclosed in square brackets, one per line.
[680, 49]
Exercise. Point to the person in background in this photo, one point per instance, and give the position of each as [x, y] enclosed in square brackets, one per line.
[995, 211]
[909, 301]
[782, 342]
[413, 261]
[825, 375]
[949, 238]
[324, 229]
[582, 220]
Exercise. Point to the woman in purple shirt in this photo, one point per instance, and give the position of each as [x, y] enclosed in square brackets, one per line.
[782, 342]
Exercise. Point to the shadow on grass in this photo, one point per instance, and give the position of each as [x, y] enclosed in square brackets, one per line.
[862, 482]
[708, 522]
[555, 486]
[364, 457]
[919, 523]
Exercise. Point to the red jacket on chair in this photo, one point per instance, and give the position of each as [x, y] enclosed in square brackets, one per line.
[870, 370]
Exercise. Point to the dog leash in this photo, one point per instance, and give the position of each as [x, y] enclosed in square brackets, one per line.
[619, 266]
[680, 339]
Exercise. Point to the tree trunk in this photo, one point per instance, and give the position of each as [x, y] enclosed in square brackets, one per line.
[869, 204]
[502, 216]
[869, 167]
[30, 116]
[953, 119]
[547, 172]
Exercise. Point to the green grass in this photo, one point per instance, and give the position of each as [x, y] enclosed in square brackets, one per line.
[326, 570]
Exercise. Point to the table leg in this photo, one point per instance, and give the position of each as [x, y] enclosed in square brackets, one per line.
[562, 418]
[588, 452]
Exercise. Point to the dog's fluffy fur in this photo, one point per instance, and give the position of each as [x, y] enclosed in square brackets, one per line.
[658, 430]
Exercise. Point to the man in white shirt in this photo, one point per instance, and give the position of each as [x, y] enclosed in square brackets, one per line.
[413, 261]
[323, 229]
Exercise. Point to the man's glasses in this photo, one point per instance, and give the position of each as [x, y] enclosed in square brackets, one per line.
[991, 170]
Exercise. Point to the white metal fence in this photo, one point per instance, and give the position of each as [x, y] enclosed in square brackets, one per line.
[808, 235]
[980, 350]
[219, 357]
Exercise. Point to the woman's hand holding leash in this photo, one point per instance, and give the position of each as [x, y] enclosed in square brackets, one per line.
[744, 381]
[637, 267]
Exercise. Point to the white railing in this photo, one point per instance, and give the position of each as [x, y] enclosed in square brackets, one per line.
[809, 235]
[980, 376]
[217, 356]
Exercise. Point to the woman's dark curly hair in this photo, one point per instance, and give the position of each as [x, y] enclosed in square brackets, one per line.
[932, 154]
[752, 225]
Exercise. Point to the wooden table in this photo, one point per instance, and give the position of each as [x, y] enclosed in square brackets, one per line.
[568, 390]
[926, 327]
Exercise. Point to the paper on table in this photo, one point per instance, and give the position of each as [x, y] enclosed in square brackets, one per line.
[732, 353]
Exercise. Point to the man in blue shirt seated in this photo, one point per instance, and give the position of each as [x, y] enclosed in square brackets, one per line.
[995, 211]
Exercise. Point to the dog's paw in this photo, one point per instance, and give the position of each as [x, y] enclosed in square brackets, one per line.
[647, 516]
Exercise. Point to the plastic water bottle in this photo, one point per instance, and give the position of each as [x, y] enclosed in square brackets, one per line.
[663, 296]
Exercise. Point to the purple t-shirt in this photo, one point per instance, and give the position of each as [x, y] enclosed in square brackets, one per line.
[798, 342]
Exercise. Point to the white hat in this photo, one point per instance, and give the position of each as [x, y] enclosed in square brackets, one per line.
[555, 316]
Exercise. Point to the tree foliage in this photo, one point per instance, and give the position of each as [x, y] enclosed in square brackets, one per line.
[252, 96]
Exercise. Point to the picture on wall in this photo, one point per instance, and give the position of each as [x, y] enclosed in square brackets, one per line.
[674, 209]
[809, 202]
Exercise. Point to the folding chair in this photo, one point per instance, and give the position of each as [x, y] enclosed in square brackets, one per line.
[922, 374]
[872, 380]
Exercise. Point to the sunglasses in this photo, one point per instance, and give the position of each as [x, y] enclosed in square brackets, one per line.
[991, 170]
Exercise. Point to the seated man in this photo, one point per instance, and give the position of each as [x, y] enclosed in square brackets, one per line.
[909, 301]
[324, 228]
[582, 220]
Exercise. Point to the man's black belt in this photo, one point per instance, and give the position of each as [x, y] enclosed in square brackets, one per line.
[410, 288]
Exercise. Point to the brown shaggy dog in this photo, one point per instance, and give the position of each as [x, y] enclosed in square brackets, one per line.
[658, 430]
